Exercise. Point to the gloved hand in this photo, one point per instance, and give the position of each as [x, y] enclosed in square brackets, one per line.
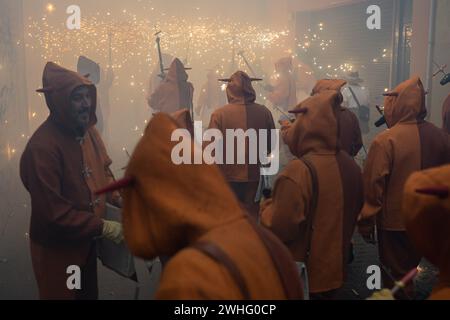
[113, 231]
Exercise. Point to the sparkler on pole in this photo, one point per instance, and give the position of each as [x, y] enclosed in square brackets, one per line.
[110, 48]
[405, 280]
[387, 294]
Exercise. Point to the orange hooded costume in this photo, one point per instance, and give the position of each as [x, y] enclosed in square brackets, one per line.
[242, 113]
[174, 92]
[61, 172]
[427, 220]
[317, 198]
[350, 138]
[188, 213]
[284, 93]
[411, 144]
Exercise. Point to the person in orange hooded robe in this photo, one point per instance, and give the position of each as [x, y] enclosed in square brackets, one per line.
[62, 165]
[242, 112]
[317, 197]
[426, 212]
[188, 213]
[411, 144]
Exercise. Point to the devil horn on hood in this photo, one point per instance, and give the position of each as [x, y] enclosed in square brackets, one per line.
[390, 94]
[438, 191]
[119, 184]
[299, 111]
[45, 90]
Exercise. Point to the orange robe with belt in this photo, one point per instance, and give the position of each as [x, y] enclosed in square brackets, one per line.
[314, 136]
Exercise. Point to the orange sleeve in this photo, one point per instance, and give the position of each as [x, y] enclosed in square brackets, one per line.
[376, 172]
[285, 211]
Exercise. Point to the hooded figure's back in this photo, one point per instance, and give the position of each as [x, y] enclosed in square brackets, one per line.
[242, 112]
[62, 171]
[411, 144]
[171, 209]
[325, 176]
[175, 92]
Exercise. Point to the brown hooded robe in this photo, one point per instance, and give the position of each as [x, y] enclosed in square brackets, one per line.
[61, 172]
[242, 113]
[171, 208]
[339, 192]
[411, 144]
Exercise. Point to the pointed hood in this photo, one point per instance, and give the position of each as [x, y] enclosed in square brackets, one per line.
[170, 206]
[316, 129]
[406, 103]
[240, 89]
[427, 216]
[58, 85]
[177, 72]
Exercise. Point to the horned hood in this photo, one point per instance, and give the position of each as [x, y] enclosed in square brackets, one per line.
[240, 89]
[58, 84]
[170, 206]
[407, 103]
[316, 130]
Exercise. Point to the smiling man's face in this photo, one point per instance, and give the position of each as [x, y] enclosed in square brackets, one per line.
[80, 107]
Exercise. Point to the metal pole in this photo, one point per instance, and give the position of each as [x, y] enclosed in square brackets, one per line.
[431, 36]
